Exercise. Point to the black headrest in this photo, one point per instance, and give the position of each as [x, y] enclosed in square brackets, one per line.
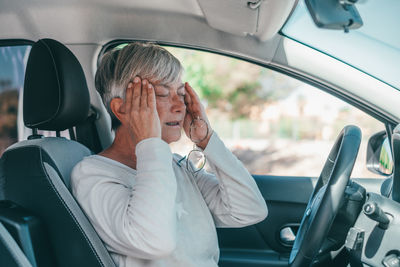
[56, 96]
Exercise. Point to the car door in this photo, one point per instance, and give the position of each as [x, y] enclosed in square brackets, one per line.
[269, 242]
[282, 130]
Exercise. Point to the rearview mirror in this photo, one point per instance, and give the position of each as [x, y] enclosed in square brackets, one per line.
[334, 14]
[379, 154]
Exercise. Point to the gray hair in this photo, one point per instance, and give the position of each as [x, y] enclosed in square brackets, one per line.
[119, 66]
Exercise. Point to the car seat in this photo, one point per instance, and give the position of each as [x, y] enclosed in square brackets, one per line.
[36, 172]
[10, 253]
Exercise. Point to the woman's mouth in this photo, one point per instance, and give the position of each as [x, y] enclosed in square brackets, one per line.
[173, 123]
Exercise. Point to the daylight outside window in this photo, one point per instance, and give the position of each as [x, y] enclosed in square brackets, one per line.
[13, 61]
[274, 124]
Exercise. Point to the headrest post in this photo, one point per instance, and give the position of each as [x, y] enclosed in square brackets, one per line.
[72, 134]
[35, 134]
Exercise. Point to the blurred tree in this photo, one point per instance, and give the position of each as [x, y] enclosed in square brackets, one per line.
[200, 74]
[245, 97]
[8, 114]
[5, 83]
[232, 86]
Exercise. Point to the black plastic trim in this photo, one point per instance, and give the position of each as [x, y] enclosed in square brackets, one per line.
[16, 42]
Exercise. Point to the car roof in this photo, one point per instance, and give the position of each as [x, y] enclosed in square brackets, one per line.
[99, 21]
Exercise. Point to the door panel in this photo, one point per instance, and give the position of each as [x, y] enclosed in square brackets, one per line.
[260, 244]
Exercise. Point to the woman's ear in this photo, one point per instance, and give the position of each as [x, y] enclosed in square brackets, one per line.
[117, 108]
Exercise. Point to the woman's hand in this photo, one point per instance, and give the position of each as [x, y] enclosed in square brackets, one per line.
[139, 113]
[196, 124]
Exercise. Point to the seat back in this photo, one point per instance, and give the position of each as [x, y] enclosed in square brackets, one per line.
[28, 232]
[36, 172]
[10, 253]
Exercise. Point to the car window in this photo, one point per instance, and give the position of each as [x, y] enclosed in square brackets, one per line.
[13, 60]
[12, 72]
[274, 124]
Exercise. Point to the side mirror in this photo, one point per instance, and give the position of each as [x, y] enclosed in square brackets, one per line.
[379, 154]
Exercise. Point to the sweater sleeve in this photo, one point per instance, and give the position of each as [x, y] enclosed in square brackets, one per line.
[135, 220]
[230, 192]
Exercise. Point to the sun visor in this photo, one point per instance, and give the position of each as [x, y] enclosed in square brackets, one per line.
[261, 18]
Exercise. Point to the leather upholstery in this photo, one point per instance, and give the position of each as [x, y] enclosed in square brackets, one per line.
[56, 96]
[57, 154]
[36, 172]
[32, 180]
[10, 253]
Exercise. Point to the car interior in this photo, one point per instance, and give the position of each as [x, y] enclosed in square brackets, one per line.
[334, 219]
[44, 181]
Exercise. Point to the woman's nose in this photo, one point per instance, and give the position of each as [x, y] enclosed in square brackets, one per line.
[178, 104]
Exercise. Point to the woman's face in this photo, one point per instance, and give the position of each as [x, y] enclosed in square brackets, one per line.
[171, 109]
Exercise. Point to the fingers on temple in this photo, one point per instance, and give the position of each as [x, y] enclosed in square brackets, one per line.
[126, 107]
[188, 99]
[151, 97]
[137, 87]
[143, 98]
[192, 101]
[145, 83]
[191, 93]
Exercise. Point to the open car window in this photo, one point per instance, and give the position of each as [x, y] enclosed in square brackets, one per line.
[275, 124]
[13, 61]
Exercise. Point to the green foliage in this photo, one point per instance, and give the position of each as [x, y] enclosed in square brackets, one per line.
[244, 98]
[226, 84]
[199, 74]
[8, 113]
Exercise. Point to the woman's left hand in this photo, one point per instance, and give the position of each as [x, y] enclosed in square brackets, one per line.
[196, 124]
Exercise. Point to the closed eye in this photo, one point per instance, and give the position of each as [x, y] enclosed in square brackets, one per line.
[181, 92]
[162, 95]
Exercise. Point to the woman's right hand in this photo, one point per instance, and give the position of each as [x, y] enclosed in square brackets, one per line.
[139, 110]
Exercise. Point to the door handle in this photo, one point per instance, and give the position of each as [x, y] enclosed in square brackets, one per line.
[287, 235]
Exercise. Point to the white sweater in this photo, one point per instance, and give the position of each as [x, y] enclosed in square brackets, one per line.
[160, 214]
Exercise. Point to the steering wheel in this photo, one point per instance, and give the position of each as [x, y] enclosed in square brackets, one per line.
[326, 198]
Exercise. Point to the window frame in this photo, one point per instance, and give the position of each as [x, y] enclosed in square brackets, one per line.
[15, 42]
[389, 122]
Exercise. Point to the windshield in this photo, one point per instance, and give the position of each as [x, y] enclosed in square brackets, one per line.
[374, 48]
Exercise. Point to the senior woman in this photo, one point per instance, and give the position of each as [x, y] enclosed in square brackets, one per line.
[147, 206]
